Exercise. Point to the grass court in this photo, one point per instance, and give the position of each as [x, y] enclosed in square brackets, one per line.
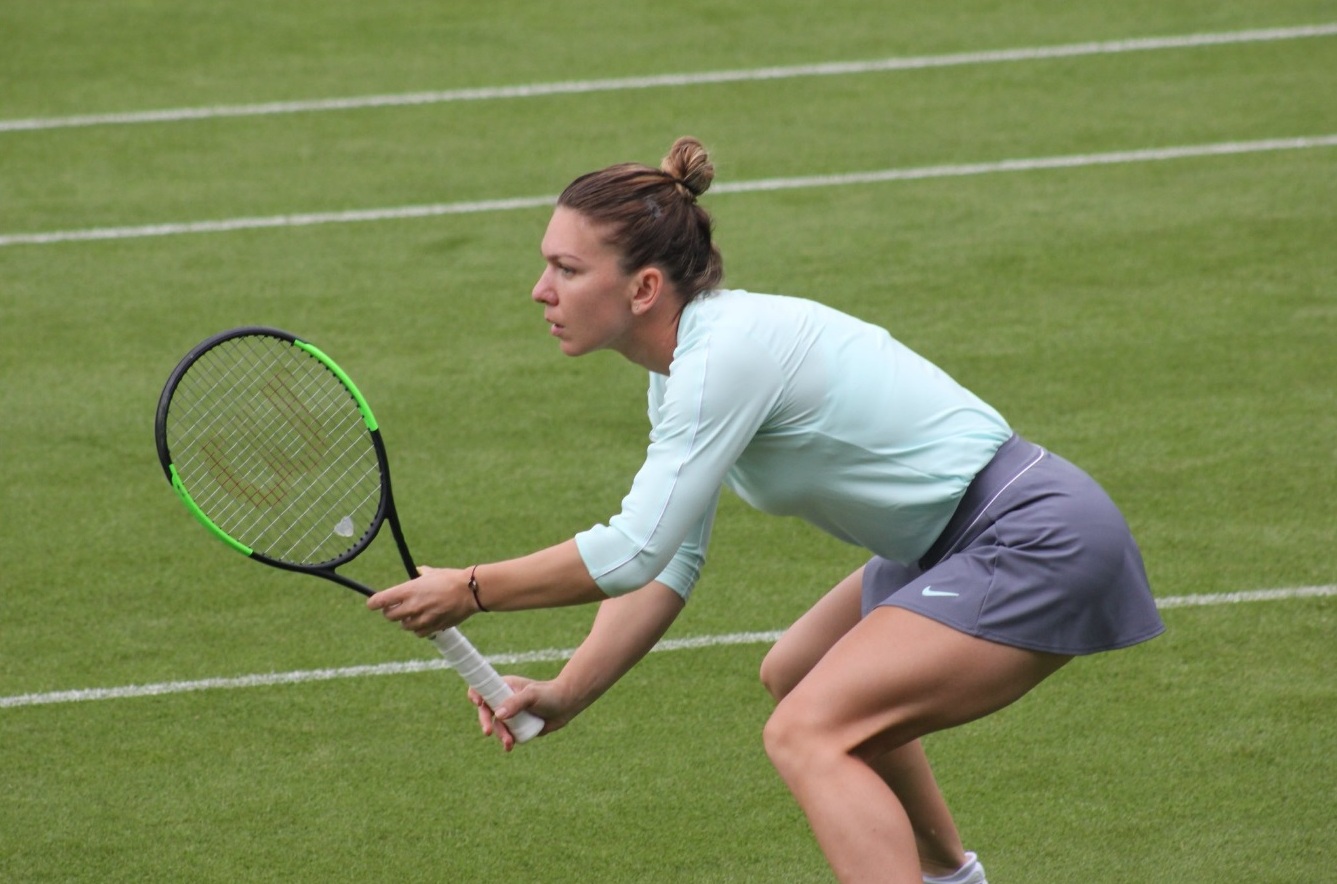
[1115, 222]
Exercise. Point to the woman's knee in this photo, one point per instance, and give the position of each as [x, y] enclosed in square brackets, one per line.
[808, 640]
[786, 740]
[780, 672]
[802, 743]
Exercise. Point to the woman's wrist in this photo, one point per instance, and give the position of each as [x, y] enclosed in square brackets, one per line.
[474, 589]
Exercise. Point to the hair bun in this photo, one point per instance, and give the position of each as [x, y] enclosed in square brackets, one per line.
[688, 164]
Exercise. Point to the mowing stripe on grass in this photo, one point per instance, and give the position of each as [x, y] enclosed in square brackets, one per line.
[544, 656]
[533, 90]
[1157, 154]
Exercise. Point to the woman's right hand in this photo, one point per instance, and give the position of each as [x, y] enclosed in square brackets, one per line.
[624, 631]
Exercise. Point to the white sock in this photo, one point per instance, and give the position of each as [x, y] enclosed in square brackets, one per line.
[959, 875]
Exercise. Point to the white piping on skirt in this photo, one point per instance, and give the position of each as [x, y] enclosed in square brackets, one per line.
[984, 509]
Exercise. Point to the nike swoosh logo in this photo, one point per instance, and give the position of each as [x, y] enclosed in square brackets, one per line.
[930, 592]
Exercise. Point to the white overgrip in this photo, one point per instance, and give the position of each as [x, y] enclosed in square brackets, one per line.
[464, 658]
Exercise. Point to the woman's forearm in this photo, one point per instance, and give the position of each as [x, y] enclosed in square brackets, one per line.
[443, 597]
[624, 631]
[549, 578]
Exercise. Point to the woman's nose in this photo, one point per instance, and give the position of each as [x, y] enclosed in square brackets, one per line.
[542, 289]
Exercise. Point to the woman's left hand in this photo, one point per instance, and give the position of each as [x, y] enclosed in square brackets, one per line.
[437, 600]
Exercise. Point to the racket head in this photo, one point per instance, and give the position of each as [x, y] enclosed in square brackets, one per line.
[273, 449]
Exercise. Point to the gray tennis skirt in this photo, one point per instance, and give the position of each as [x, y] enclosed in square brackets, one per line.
[1036, 556]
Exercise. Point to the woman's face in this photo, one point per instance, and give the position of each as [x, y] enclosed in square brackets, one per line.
[586, 297]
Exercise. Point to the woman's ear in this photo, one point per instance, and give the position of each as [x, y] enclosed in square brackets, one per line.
[649, 289]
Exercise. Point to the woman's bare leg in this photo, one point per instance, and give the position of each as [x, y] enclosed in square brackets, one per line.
[905, 769]
[889, 680]
[811, 636]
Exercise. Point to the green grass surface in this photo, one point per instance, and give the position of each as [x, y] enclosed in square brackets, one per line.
[1171, 326]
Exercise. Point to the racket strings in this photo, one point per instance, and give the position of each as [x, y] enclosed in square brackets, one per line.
[348, 493]
[274, 450]
[298, 424]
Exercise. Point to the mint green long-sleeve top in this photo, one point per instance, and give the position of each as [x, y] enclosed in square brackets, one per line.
[802, 411]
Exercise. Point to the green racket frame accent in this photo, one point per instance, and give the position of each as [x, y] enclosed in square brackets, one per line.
[344, 379]
[222, 535]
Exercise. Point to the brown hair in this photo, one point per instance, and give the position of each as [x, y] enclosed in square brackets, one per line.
[652, 216]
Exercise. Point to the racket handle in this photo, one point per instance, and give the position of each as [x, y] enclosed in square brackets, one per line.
[464, 658]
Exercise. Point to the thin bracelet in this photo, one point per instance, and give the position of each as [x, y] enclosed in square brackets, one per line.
[473, 588]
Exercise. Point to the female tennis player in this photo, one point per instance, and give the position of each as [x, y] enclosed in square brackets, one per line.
[993, 561]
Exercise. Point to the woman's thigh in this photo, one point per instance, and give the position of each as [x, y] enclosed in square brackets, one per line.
[811, 636]
[895, 676]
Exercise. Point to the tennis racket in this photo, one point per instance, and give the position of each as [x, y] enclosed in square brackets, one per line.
[273, 449]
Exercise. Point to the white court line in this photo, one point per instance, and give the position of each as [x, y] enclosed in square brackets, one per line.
[533, 90]
[545, 656]
[767, 184]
